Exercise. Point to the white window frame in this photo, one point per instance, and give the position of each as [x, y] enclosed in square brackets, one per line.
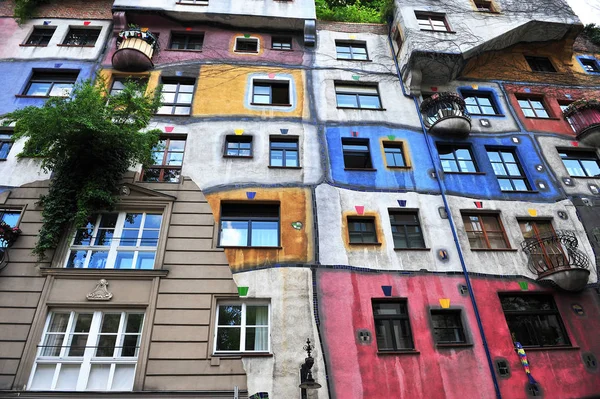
[235, 43]
[115, 246]
[88, 359]
[242, 326]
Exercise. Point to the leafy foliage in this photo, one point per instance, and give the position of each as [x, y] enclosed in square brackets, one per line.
[24, 9]
[367, 11]
[87, 141]
[592, 31]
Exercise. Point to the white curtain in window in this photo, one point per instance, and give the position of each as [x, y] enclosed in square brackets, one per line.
[264, 234]
[261, 339]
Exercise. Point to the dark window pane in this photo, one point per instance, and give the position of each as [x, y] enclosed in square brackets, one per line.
[228, 339]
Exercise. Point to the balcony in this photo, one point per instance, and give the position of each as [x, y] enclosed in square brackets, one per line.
[554, 257]
[135, 48]
[445, 114]
[584, 116]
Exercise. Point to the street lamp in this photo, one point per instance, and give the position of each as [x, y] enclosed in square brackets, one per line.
[306, 379]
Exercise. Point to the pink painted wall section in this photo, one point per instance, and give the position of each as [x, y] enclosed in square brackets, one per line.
[357, 371]
[218, 44]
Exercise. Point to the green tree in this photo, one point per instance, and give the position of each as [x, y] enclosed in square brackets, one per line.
[87, 141]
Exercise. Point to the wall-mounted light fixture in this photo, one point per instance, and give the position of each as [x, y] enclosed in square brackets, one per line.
[306, 379]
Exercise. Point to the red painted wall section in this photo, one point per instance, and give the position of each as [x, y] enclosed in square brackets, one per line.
[552, 97]
[357, 371]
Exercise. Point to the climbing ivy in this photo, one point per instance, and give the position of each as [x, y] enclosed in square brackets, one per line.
[365, 11]
[87, 141]
[24, 9]
[592, 31]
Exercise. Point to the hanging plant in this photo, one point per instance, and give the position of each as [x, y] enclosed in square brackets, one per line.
[581, 105]
[135, 32]
[88, 142]
[8, 234]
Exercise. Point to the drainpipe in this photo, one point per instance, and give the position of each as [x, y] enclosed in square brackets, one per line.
[450, 220]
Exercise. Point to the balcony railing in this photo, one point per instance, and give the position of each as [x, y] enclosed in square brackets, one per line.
[135, 48]
[555, 256]
[446, 114]
[584, 117]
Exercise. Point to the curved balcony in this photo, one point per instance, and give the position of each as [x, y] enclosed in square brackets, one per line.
[445, 114]
[584, 116]
[554, 257]
[135, 49]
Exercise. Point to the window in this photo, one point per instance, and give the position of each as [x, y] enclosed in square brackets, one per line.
[579, 163]
[563, 106]
[249, 225]
[244, 45]
[508, 170]
[81, 37]
[549, 254]
[281, 43]
[540, 64]
[238, 146]
[116, 241]
[351, 50]
[11, 218]
[361, 230]
[356, 154]
[185, 41]
[51, 83]
[168, 158]
[5, 143]
[284, 152]
[242, 327]
[392, 326]
[590, 65]
[447, 327]
[406, 229]
[435, 22]
[270, 92]
[484, 6]
[119, 84]
[40, 36]
[480, 103]
[532, 107]
[177, 96]
[355, 96]
[456, 159]
[534, 320]
[87, 351]
[485, 231]
[394, 155]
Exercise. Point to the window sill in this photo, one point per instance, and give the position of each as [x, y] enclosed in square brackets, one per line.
[406, 352]
[437, 31]
[102, 273]
[26, 96]
[181, 49]
[363, 109]
[245, 52]
[281, 49]
[521, 192]
[76, 45]
[544, 119]
[33, 45]
[271, 105]
[352, 59]
[465, 173]
[179, 115]
[242, 354]
[550, 348]
[284, 167]
[487, 116]
[494, 249]
[360, 169]
[246, 247]
[239, 156]
[375, 244]
[450, 346]
[412, 249]
[192, 4]
[399, 167]
[585, 177]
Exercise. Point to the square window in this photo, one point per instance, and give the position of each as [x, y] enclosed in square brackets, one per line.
[540, 64]
[284, 152]
[51, 83]
[357, 96]
[580, 163]
[485, 231]
[534, 320]
[484, 6]
[447, 327]
[480, 103]
[245, 45]
[8, 219]
[242, 327]
[590, 65]
[271, 92]
[394, 155]
[176, 96]
[281, 43]
[168, 159]
[119, 84]
[456, 158]
[249, 225]
[6, 143]
[351, 50]
[238, 146]
[186, 41]
[532, 107]
[392, 326]
[434, 22]
[40, 36]
[406, 229]
[356, 153]
[81, 37]
[361, 230]
[508, 170]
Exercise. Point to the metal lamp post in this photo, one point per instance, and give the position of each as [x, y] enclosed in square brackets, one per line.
[306, 379]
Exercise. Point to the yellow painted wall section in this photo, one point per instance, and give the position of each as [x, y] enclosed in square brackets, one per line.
[296, 245]
[222, 90]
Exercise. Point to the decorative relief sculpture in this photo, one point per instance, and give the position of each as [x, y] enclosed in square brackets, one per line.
[100, 293]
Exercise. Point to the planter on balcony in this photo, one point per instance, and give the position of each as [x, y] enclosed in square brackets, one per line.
[584, 116]
[445, 114]
[135, 48]
[554, 257]
[8, 235]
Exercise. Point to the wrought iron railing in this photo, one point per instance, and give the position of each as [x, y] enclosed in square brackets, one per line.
[442, 106]
[553, 252]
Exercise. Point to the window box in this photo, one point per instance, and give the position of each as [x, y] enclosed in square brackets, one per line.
[242, 328]
[249, 225]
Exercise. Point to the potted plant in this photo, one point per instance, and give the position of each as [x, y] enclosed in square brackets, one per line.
[135, 32]
[8, 234]
[581, 105]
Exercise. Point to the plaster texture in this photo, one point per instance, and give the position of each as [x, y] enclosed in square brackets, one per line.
[290, 291]
[16, 172]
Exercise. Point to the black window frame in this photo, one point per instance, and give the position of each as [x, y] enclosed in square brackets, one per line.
[579, 155]
[402, 228]
[540, 64]
[175, 105]
[282, 43]
[244, 48]
[351, 45]
[391, 145]
[402, 316]
[477, 95]
[273, 140]
[271, 84]
[534, 313]
[230, 138]
[90, 34]
[52, 77]
[187, 38]
[6, 143]
[353, 235]
[38, 36]
[423, 15]
[440, 146]
[590, 65]
[365, 154]
[350, 89]
[164, 167]
[511, 178]
[459, 327]
[249, 214]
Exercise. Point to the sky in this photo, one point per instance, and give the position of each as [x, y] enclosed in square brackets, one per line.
[587, 10]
